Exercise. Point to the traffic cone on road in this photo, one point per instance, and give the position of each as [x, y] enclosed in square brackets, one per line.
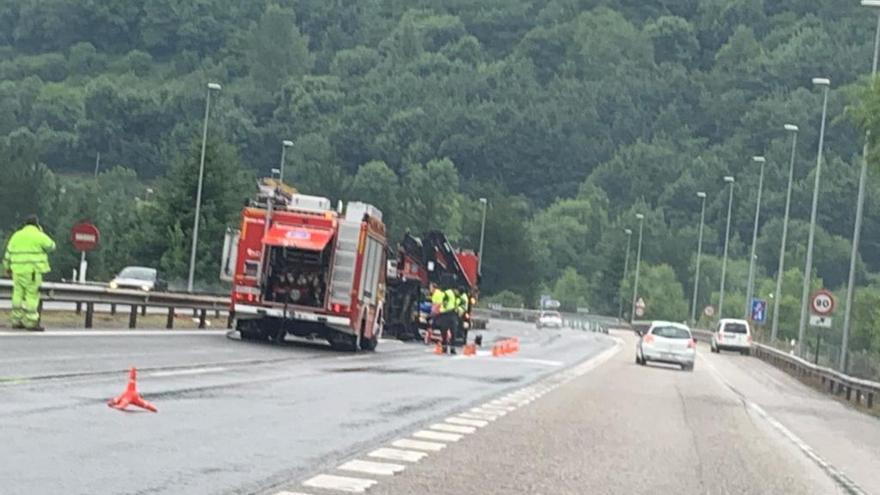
[438, 348]
[130, 395]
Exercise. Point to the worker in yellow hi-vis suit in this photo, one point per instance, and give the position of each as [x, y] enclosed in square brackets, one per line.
[27, 260]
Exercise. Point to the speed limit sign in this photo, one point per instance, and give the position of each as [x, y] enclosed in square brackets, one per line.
[822, 303]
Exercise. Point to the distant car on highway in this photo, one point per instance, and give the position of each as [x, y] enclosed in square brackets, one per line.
[138, 278]
[549, 319]
[667, 342]
[732, 335]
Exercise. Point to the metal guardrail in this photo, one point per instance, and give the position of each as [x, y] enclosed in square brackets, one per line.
[580, 321]
[89, 295]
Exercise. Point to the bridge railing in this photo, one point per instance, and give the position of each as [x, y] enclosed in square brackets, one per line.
[137, 301]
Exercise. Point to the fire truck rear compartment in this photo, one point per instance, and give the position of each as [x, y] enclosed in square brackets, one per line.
[297, 276]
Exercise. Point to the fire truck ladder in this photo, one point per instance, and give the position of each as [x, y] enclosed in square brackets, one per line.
[343, 265]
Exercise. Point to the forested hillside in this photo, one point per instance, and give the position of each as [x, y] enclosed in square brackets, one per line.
[569, 115]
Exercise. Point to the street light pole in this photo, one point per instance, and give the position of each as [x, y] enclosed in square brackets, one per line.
[777, 296]
[485, 204]
[808, 269]
[729, 180]
[195, 235]
[284, 145]
[750, 287]
[702, 196]
[625, 269]
[632, 314]
[860, 204]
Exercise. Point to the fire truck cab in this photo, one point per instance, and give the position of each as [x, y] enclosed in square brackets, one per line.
[315, 272]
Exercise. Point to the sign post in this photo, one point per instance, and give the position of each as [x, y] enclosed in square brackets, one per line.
[84, 236]
[758, 311]
[640, 307]
[821, 309]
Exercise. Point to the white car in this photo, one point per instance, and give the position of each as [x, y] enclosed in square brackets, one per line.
[666, 342]
[138, 278]
[549, 319]
[732, 335]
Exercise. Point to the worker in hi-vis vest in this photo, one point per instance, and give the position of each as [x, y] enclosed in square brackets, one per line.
[26, 261]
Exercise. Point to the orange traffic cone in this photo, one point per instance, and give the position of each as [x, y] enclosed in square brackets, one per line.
[496, 350]
[438, 348]
[130, 395]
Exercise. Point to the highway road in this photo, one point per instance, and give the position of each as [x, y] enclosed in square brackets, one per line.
[570, 414]
[733, 426]
[234, 417]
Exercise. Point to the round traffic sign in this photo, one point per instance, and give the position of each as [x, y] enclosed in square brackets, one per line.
[640, 311]
[822, 303]
[84, 236]
[709, 311]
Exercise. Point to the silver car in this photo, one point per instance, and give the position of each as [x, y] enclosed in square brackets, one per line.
[666, 342]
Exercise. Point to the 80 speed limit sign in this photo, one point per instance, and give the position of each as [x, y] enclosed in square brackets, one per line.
[822, 303]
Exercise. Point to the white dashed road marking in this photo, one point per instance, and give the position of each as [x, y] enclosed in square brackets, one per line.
[479, 423]
[341, 483]
[453, 428]
[486, 417]
[436, 435]
[406, 443]
[398, 455]
[370, 467]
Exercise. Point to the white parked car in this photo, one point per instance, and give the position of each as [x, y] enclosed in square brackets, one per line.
[666, 342]
[549, 319]
[138, 278]
[732, 335]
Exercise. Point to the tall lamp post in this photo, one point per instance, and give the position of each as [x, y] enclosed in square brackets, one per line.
[808, 269]
[729, 180]
[284, 145]
[628, 233]
[485, 204]
[195, 236]
[780, 271]
[750, 287]
[632, 314]
[702, 197]
[860, 204]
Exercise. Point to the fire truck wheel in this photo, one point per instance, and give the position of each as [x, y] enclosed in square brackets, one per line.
[370, 344]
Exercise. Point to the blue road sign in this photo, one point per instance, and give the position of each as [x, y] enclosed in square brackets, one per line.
[759, 310]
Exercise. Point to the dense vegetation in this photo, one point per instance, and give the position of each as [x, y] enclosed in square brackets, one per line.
[569, 115]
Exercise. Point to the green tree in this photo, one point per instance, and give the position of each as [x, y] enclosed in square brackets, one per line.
[571, 290]
[277, 49]
[226, 185]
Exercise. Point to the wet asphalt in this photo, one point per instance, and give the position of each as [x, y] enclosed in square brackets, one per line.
[234, 417]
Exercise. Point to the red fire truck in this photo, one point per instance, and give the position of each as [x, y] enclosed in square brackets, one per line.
[420, 261]
[315, 272]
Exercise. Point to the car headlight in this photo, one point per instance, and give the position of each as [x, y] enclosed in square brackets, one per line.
[146, 288]
[114, 285]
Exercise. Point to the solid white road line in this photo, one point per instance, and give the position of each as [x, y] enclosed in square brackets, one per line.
[436, 435]
[340, 483]
[285, 492]
[112, 333]
[479, 423]
[195, 371]
[398, 455]
[453, 428]
[835, 474]
[406, 443]
[370, 467]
